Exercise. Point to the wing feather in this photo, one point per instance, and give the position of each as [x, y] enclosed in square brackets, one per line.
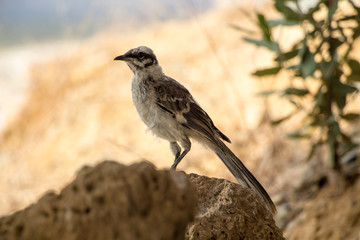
[175, 99]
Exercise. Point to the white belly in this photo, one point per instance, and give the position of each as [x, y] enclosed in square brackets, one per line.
[161, 123]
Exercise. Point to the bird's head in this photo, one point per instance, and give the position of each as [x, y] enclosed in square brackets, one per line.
[139, 59]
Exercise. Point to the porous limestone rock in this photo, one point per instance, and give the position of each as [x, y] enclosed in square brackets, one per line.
[226, 210]
[113, 201]
[109, 201]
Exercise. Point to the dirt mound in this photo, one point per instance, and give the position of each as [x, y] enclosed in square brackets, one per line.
[112, 201]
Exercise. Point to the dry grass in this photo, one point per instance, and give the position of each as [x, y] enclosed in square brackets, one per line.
[79, 110]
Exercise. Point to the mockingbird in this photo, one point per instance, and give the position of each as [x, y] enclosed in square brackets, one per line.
[171, 113]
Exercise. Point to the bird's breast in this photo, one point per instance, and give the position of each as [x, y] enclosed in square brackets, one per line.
[144, 102]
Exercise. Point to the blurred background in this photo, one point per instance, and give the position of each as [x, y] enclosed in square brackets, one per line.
[64, 102]
[36, 29]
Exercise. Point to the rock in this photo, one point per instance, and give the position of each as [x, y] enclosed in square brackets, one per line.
[229, 211]
[109, 201]
[113, 201]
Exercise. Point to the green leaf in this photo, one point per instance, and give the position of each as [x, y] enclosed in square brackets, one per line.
[340, 100]
[355, 70]
[264, 27]
[340, 91]
[287, 56]
[298, 134]
[282, 22]
[347, 143]
[296, 91]
[310, 12]
[307, 64]
[267, 71]
[342, 88]
[319, 98]
[267, 93]
[288, 13]
[346, 138]
[356, 32]
[241, 29]
[272, 46]
[327, 67]
[334, 131]
[334, 43]
[313, 149]
[347, 147]
[354, 65]
[347, 18]
[332, 5]
[276, 122]
[350, 116]
[294, 67]
[354, 77]
[293, 102]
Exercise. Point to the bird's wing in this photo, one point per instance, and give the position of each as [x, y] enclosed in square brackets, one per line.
[175, 99]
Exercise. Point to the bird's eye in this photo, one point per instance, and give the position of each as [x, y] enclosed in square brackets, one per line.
[141, 55]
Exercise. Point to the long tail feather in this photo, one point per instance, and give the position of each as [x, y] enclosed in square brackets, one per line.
[242, 174]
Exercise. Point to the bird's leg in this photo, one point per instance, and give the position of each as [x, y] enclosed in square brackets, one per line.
[178, 159]
[175, 148]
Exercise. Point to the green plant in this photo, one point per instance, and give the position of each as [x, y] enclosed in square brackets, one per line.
[322, 55]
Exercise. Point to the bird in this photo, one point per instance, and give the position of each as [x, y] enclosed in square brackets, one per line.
[170, 112]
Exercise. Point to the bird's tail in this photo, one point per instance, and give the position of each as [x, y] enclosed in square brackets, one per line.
[242, 174]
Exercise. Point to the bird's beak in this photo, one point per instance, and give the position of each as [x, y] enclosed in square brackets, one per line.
[121, 57]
